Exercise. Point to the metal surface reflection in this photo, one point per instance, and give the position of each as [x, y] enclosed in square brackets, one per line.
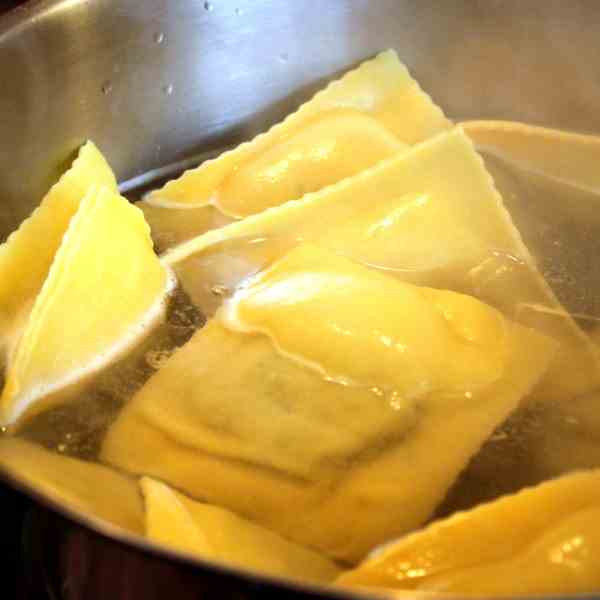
[74, 70]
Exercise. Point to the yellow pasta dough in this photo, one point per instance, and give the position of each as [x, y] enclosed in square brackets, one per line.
[431, 216]
[370, 114]
[26, 256]
[346, 423]
[105, 289]
[544, 539]
[568, 157]
[213, 533]
[88, 488]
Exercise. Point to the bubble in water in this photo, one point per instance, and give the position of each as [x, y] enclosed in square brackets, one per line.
[500, 436]
[284, 57]
[157, 358]
[3, 429]
[208, 6]
[61, 447]
[167, 89]
[158, 37]
[396, 402]
[107, 88]
[219, 290]
[238, 12]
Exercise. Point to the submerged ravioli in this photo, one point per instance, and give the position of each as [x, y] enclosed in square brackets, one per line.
[88, 488]
[348, 422]
[370, 114]
[104, 290]
[172, 225]
[559, 223]
[26, 256]
[544, 539]
[571, 158]
[213, 533]
[430, 216]
[451, 342]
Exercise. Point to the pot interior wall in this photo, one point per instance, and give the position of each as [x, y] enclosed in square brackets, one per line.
[154, 82]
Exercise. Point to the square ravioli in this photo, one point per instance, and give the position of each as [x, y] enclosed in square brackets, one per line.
[371, 113]
[330, 402]
[430, 216]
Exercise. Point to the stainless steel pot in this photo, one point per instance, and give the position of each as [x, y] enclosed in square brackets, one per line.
[154, 82]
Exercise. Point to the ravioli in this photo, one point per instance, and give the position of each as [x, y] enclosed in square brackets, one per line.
[544, 539]
[87, 488]
[567, 157]
[430, 216]
[559, 222]
[213, 533]
[26, 256]
[104, 290]
[370, 114]
[346, 421]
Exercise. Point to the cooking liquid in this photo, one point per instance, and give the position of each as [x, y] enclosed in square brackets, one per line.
[560, 226]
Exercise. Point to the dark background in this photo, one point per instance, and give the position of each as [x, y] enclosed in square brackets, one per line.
[12, 505]
[6, 5]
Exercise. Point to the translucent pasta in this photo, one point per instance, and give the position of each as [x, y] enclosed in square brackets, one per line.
[368, 357]
[430, 216]
[26, 256]
[370, 114]
[358, 409]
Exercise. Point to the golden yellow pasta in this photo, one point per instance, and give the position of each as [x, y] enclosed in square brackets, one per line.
[370, 114]
[104, 290]
[26, 256]
[348, 422]
[88, 488]
[432, 217]
[568, 157]
[364, 337]
[213, 533]
[544, 539]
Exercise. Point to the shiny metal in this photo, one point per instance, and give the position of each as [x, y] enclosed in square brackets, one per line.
[157, 81]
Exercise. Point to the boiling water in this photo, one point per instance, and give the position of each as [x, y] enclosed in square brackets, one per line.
[76, 427]
[559, 224]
